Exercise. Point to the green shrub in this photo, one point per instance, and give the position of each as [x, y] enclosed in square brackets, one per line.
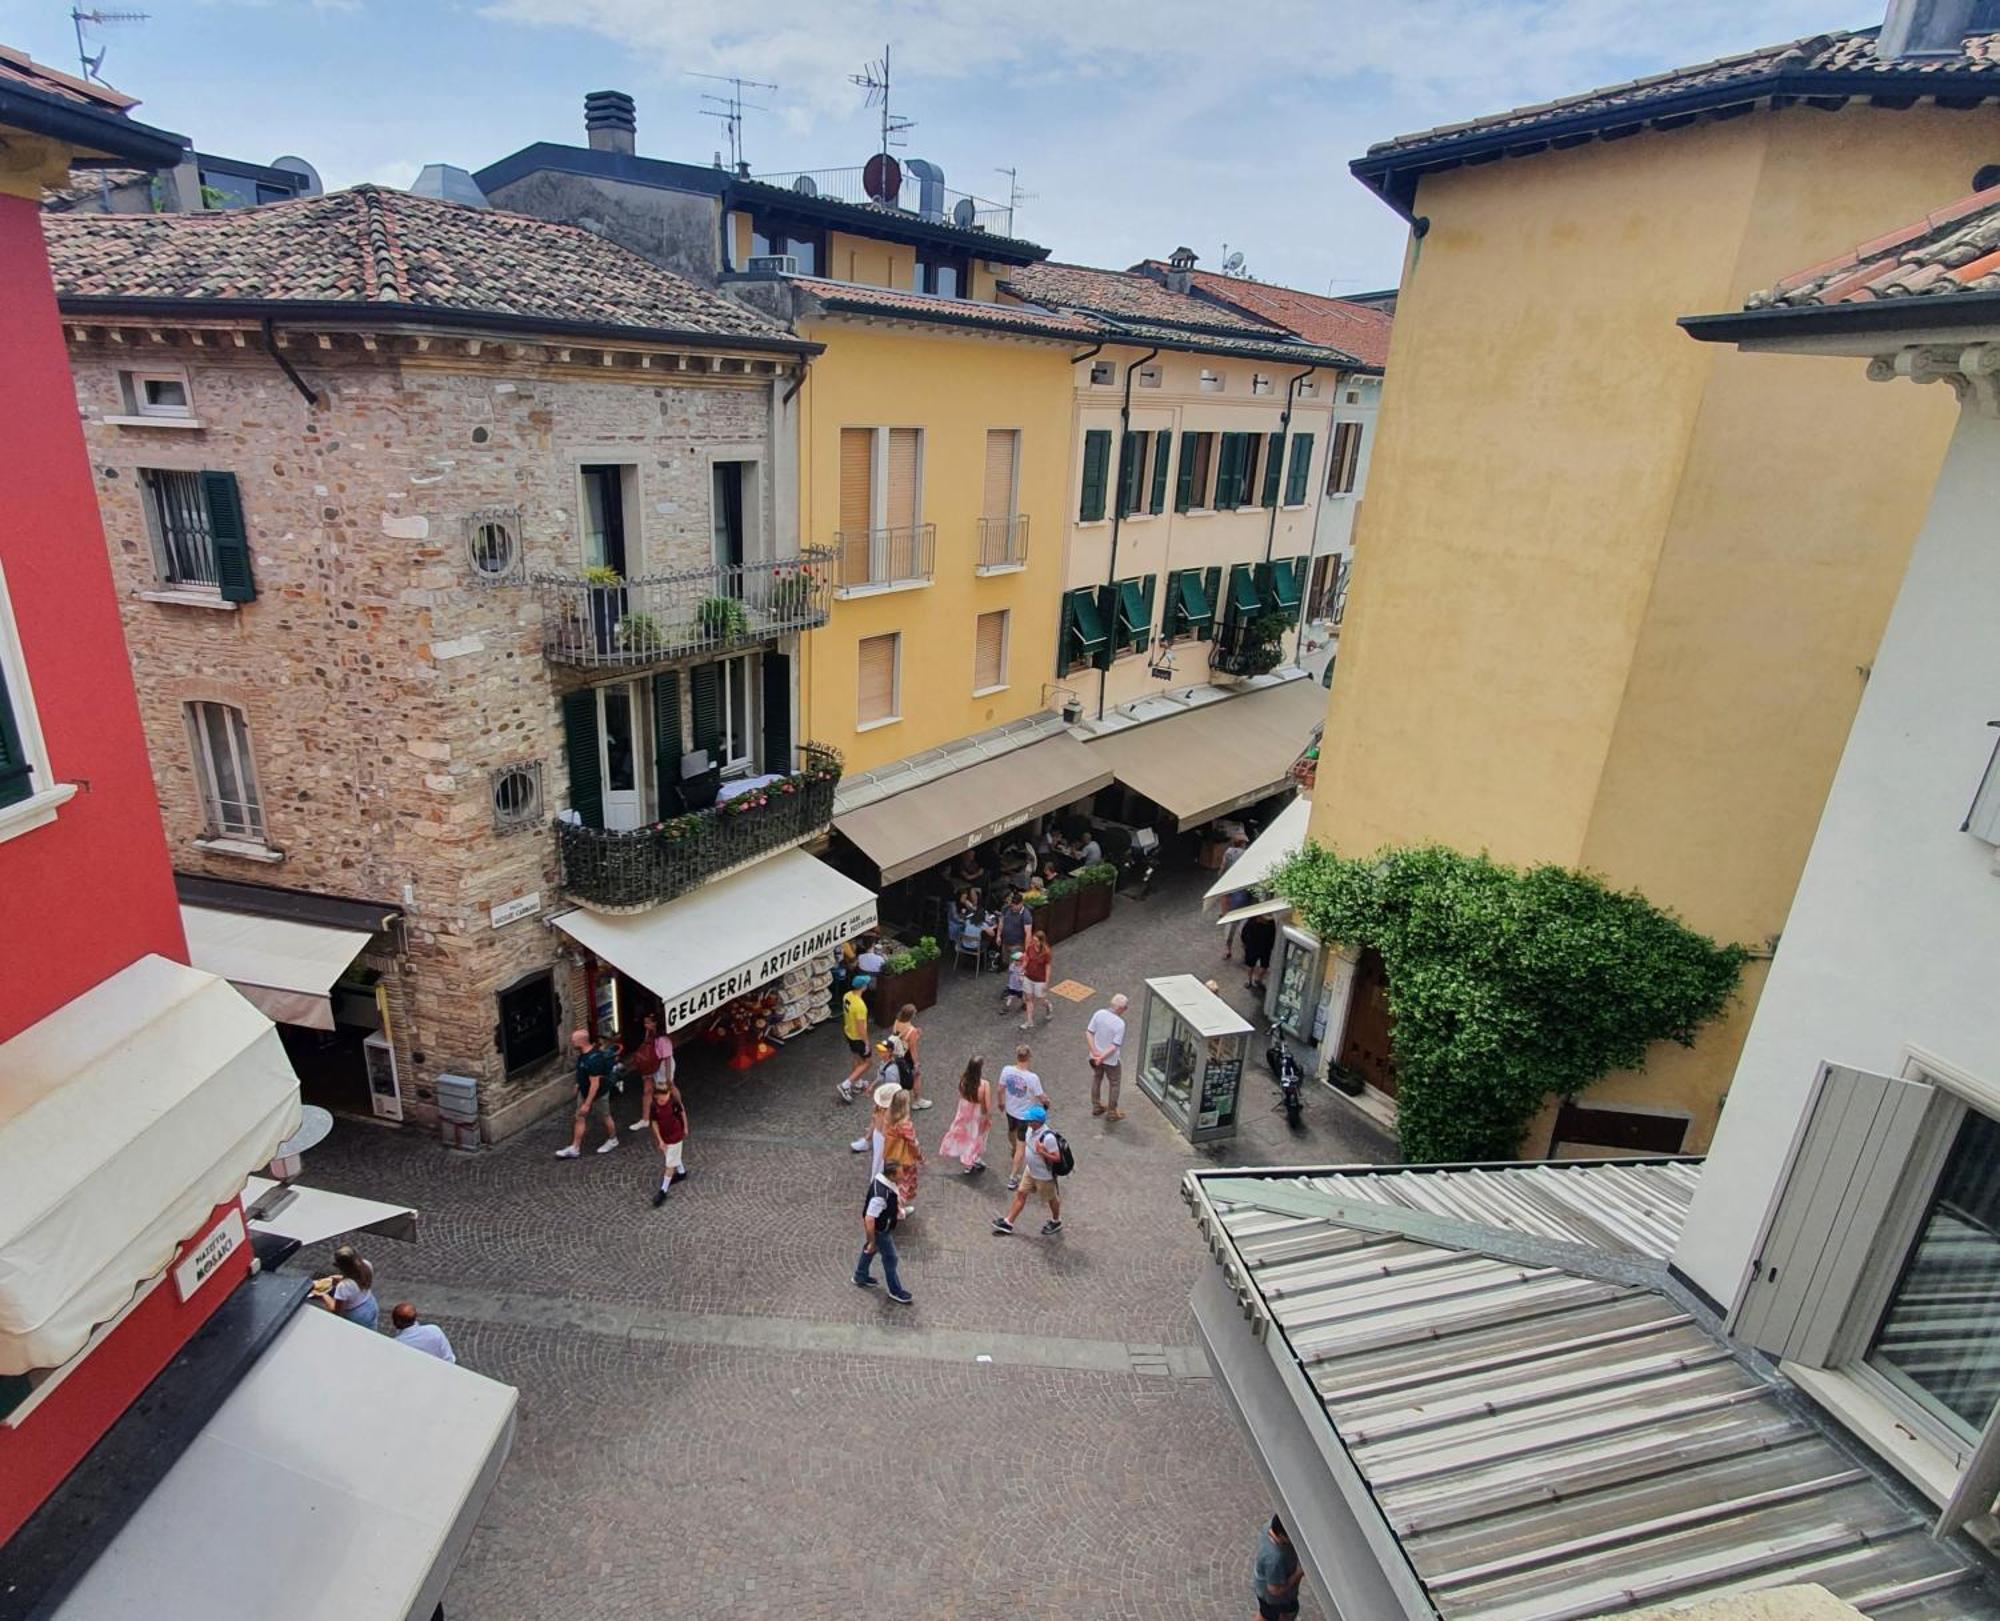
[640, 633]
[924, 951]
[722, 619]
[1098, 872]
[598, 574]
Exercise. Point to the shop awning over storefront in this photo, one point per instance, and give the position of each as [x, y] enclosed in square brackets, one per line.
[730, 936]
[126, 1117]
[920, 827]
[285, 967]
[340, 1481]
[1267, 852]
[313, 1215]
[1213, 759]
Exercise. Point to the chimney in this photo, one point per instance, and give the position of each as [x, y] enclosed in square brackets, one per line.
[1180, 270]
[1921, 28]
[609, 121]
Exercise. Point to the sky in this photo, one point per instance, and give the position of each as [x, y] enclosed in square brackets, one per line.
[1135, 127]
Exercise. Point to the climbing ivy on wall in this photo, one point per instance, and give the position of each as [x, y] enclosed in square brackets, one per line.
[1507, 986]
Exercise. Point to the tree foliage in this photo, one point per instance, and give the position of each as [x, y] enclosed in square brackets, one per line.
[1507, 985]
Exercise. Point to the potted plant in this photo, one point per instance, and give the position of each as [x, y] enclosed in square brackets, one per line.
[1057, 918]
[722, 619]
[606, 597]
[791, 594]
[1093, 893]
[640, 633]
[910, 976]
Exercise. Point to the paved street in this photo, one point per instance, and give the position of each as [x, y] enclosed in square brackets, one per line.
[714, 1420]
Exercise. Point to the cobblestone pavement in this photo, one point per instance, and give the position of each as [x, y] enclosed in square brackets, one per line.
[714, 1420]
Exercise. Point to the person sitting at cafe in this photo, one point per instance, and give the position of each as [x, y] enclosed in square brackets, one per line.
[869, 959]
[1089, 852]
[966, 869]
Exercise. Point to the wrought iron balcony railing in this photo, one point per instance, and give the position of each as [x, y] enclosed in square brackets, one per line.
[874, 557]
[610, 871]
[1003, 542]
[603, 623]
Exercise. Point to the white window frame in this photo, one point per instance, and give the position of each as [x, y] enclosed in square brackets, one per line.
[1006, 652]
[40, 807]
[895, 684]
[136, 411]
[732, 762]
[243, 758]
[631, 504]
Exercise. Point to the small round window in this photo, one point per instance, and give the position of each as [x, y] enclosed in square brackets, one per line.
[493, 548]
[517, 796]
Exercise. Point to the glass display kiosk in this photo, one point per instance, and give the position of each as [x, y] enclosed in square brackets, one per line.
[1191, 1056]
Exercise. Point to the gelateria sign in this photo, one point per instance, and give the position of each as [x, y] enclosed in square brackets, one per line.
[761, 970]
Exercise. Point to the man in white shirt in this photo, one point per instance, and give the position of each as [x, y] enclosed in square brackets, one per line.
[1020, 1090]
[425, 1337]
[1105, 1037]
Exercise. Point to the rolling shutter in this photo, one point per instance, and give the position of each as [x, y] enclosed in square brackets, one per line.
[1096, 465]
[16, 775]
[989, 652]
[1295, 482]
[876, 699]
[705, 709]
[904, 502]
[1163, 444]
[777, 703]
[1852, 1147]
[586, 781]
[1184, 493]
[667, 732]
[857, 502]
[233, 579]
[1002, 447]
[1274, 457]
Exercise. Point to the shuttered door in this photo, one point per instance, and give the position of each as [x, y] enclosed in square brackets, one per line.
[877, 696]
[777, 695]
[903, 506]
[586, 777]
[989, 655]
[667, 735]
[857, 502]
[1001, 447]
[705, 709]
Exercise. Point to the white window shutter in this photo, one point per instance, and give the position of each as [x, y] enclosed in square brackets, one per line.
[1854, 1144]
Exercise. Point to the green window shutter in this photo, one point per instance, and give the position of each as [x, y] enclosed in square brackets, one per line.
[230, 541]
[1211, 589]
[1274, 459]
[1287, 575]
[777, 701]
[1088, 640]
[1131, 468]
[1295, 482]
[1184, 493]
[1175, 624]
[1096, 463]
[1245, 600]
[1163, 445]
[705, 702]
[667, 734]
[1064, 632]
[1146, 595]
[586, 782]
[17, 778]
[1229, 474]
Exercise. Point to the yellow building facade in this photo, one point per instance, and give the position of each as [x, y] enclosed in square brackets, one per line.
[1617, 594]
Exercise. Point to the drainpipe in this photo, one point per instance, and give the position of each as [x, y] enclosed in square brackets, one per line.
[271, 348]
[1117, 506]
[1284, 449]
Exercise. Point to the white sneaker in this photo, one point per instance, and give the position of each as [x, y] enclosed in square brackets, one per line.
[607, 1145]
[921, 1103]
[859, 1148]
[566, 1153]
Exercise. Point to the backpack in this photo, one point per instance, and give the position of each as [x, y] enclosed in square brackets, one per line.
[1065, 1161]
[892, 1208]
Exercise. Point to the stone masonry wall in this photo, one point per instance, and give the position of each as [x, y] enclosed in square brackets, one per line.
[382, 683]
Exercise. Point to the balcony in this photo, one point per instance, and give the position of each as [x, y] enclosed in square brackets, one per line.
[1003, 544]
[600, 622]
[880, 559]
[630, 871]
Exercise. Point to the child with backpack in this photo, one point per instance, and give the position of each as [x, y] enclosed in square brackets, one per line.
[1046, 1160]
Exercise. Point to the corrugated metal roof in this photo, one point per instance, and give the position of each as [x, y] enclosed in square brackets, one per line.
[1548, 1440]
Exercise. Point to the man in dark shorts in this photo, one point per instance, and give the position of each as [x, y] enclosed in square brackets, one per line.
[1259, 935]
[1277, 1574]
[854, 1025]
[1020, 1091]
[595, 1060]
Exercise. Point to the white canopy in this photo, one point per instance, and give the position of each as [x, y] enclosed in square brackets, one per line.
[313, 1215]
[287, 968]
[731, 936]
[125, 1118]
[340, 1481]
[1270, 850]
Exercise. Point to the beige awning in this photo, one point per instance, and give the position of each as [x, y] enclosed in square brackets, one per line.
[1267, 852]
[283, 967]
[1211, 760]
[920, 827]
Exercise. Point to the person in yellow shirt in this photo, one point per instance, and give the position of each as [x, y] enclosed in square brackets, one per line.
[854, 1024]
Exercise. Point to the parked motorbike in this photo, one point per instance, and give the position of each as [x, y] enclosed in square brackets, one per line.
[1290, 1078]
[1140, 861]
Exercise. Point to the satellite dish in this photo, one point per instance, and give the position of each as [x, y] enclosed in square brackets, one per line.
[882, 179]
[1232, 264]
[299, 166]
[963, 212]
[806, 186]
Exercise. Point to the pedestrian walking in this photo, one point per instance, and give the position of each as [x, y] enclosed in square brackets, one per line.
[879, 1215]
[668, 1122]
[854, 1025]
[1020, 1090]
[910, 1033]
[902, 1154]
[1013, 924]
[595, 1060]
[1037, 963]
[1045, 1154]
[1017, 989]
[965, 1137]
[1277, 1574]
[1260, 934]
[349, 1289]
[890, 1078]
[652, 1060]
[1238, 843]
[874, 1140]
[1104, 1037]
[425, 1337]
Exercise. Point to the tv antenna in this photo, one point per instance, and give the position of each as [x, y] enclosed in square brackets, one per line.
[731, 108]
[874, 78]
[98, 19]
[1015, 195]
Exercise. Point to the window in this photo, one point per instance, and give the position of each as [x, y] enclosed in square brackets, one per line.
[25, 778]
[526, 1033]
[1133, 451]
[196, 523]
[1301, 468]
[1102, 374]
[1197, 454]
[490, 539]
[231, 806]
[1126, 607]
[882, 539]
[1233, 463]
[1274, 457]
[1083, 639]
[946, 275]
[880, 697]
[777, 233]
[1191, 603]
[1211, 381]
[517, 796]
[1149, 376]
[1163, 441]
[156, 394]
[998, 488]
[1344, 460]
[1259, 383]
[1096, 469]
[1354, 396]
[735, 724]
[989, 652]
[731, 490]
[609, 507]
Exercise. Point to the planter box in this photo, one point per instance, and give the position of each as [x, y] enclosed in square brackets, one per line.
[1057, 918]
[1093, 904]
[919, 987]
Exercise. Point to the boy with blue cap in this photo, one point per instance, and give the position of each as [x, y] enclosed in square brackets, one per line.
[1042, 1153]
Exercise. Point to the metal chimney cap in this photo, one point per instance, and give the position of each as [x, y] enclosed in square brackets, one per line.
[610, 109]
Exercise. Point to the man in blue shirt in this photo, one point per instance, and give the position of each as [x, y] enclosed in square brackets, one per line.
[1277, 1574]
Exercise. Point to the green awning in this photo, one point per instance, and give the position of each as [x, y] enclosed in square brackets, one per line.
[1086, 628]
[1285, 584]
[1243, 597]
[1133, 619]
[1195, 612]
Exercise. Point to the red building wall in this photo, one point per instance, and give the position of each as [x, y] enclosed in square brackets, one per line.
[92, 891]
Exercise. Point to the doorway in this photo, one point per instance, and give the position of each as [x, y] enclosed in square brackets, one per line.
[620, 726]
[604, 516]
[729, 498]
[1364, 1045]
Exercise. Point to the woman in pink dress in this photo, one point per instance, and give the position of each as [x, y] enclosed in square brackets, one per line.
[965, 1137]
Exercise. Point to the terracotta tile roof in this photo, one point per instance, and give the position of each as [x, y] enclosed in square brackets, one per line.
[1120, 293]
[1361, 330]
[1280, 347]
[17, 67]
[1955, 250]
[388, 251]
[841, 295]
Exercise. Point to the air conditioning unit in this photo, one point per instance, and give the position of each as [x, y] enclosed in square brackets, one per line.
[771, 264]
